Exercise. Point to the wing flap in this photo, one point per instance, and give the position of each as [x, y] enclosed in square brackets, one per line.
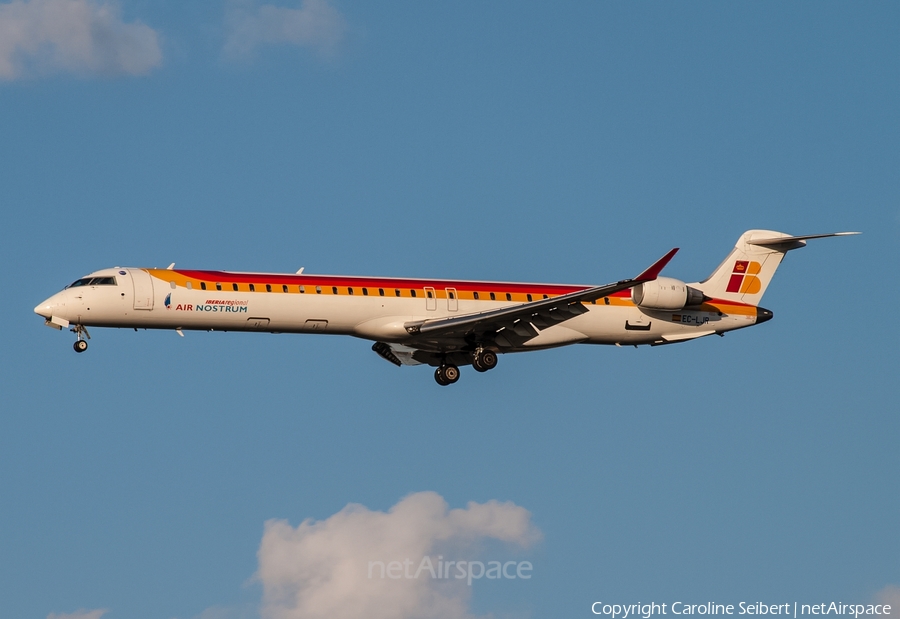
[396, 354]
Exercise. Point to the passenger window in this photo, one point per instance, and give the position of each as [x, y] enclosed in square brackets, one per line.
[528, 297]
[284, 288]
[475, 295]
[493, 297]
[302, 291]
[234, 287]
[190, 286]
[252, 288]
[412, 293]
[508, 297]
[606, 300]
[545, 296]
[428, 292]
[349, 290]
[452, 295]
[397, 291]
[218, 286]
[202, 285]
[172, 285]
[381, 292]
[318, 290]
[365, 292]
[334, 290]
[268, 287]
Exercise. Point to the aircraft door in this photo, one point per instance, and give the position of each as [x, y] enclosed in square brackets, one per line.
[452, 301]
[143, 289]
[430, 299]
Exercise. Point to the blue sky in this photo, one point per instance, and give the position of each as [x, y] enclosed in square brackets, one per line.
[515, 141]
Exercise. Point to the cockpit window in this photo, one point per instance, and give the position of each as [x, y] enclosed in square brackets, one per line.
[93, 281]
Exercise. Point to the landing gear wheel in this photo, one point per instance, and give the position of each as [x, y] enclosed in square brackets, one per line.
[451, 374]
[82, 335]
[439, 377]
[446, 375]
[484, 360]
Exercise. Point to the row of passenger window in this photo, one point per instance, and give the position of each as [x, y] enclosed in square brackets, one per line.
[350, 290]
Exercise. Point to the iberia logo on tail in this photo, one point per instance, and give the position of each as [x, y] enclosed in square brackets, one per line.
[743, 278]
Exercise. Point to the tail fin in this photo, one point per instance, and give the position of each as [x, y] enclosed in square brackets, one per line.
[746, 272]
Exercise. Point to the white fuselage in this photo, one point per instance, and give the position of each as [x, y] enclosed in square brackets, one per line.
[374, 309]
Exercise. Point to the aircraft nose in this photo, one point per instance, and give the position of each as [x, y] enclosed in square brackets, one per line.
[48, 307]
[43, 309]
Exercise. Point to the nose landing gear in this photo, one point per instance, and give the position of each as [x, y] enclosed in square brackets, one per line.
[82, 334]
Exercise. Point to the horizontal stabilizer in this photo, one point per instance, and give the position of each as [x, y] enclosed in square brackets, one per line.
[745, 274]
[797, 241]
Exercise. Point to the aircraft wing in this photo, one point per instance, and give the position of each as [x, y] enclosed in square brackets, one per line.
[526, 320]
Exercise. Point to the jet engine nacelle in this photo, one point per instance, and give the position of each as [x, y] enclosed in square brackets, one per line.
[665, 293]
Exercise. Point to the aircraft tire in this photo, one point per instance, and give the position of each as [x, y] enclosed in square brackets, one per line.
[488, 360]
[80, 346]
[439, 377]
[450, 373]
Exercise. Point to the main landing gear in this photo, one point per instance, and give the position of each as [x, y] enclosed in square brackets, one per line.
[482, 360]
[446, 374]
[82, 334]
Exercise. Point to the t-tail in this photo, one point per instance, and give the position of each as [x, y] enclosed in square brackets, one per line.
[746, 272]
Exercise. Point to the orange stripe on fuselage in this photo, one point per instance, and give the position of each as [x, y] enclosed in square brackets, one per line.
[464, 289]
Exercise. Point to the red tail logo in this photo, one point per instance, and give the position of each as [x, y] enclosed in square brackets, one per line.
[743, 278]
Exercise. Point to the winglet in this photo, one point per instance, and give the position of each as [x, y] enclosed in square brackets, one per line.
[654, 270]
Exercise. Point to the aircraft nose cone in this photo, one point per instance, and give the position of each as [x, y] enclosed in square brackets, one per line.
[762, 315]
[54, 306]
[44, 309]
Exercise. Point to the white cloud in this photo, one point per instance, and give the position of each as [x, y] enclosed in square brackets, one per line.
[890, 595]
[78, 36]
[316, 24]
[321, 569]
[228, 612]
[80, 614]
